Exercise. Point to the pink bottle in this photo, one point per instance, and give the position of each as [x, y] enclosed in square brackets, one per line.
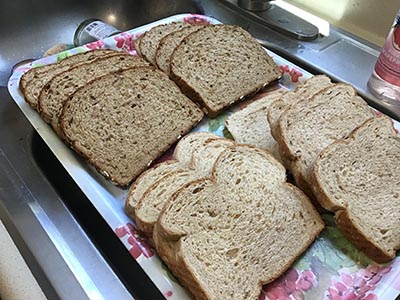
[385, 79]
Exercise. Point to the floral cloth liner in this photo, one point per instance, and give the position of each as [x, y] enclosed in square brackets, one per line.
[330, 269]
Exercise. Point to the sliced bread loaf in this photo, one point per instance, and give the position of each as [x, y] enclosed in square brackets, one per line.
[308, 126]
[34, 80]
[358, 179]
[310, 87]
[146, 180]
[122, 121]
[168, 44]
[61, 86]
[183, 155]
[250, 125]
[226, 236]
[149, 41]
[187, 145]
[204, 157]
[153, 200]
[219, 65]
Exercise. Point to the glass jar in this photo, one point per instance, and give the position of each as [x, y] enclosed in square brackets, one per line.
[92, 30]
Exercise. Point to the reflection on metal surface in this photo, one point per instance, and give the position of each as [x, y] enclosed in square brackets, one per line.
[68, 255]
[322, 25]
[279, 20]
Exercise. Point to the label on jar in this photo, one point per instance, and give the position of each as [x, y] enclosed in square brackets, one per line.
[100, 30]
[388, 64]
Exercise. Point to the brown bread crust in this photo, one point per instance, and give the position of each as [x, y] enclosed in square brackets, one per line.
[351, 231]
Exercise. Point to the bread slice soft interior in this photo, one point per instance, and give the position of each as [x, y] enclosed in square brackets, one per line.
[226, 235]
[124, 120]
[358, 178]
[307, 127]
[221, 64]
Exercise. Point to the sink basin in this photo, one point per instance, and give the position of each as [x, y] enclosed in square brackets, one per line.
[71, 250]
[29, 28]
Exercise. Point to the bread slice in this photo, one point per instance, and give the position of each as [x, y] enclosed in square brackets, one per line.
[165, 184]
[308, 126]
[34, 80]
[122, 121]
[250, 125]
[168, 44]
[150, 39]
[183, 155]
[226, 236]
[221, 64]
[153, 200]
[146, 180]
[358, 179]
[61, 86]
[187, 145]
[204, 157]
[310, 87]
[137, 45]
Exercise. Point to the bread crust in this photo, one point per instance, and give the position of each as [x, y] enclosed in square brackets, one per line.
[24, 82]
[343, 217]
[350, 230]
[292, 159]
[163, 41]
[130, 205]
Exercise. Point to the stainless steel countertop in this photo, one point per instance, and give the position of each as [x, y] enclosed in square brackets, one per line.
[68, 253]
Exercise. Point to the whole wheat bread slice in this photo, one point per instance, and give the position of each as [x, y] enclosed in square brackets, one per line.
[61, 86]
[204, 157]
[137, 45]
[250, 125]
[34, 80]
[183, 155]
[187, 145]
[308, 126]
[358, 179]
[150, 40]
[146, 180]
[219, 65]
[168, 44]
[310, 87]
[153, 200]
[122, 121]
[226, 236]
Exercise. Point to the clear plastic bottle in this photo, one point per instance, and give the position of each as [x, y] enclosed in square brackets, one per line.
[92, 30]
[384, 82]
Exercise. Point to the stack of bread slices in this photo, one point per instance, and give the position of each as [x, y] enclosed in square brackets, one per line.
[222, 216]
[340, 153]
[121, 112]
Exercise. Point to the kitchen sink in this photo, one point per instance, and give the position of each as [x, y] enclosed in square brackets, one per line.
[70, 249]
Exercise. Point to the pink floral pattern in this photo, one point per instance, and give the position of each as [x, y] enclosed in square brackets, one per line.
[294, 73]
[196, 19]
[139, 246]
[125, 41]
[290, 286]
[95, 45]
[357, 286]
